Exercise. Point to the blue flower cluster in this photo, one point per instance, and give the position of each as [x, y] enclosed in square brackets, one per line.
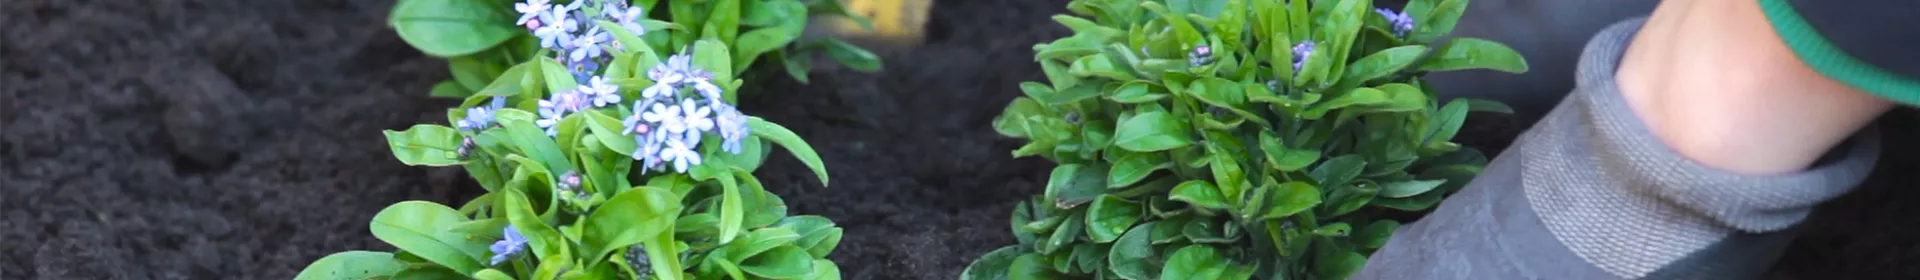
[1402, 23]
[669, 122]
[670, 117]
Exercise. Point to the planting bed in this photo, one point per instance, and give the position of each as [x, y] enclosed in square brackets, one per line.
[200, 139]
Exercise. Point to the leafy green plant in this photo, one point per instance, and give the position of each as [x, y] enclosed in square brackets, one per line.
[482, 39]
[1235, 139]
[601, 158]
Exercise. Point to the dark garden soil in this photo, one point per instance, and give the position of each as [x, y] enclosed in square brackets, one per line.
[204, 139]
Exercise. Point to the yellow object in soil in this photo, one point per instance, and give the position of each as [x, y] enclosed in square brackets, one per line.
[895, 22]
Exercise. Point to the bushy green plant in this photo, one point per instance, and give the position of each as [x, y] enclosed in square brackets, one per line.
[641, 169]
[1235, 139]
[482, 39]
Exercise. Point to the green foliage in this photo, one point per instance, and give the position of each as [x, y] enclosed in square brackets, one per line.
[1190, 147]
[576, 194]
[480, 41]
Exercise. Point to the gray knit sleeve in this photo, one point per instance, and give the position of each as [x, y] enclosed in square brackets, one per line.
[1590, 193]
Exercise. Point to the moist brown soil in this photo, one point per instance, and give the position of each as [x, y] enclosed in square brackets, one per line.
[224, 139]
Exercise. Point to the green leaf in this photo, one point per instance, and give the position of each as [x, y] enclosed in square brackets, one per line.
[1153, 131]
[1201, 194]
[425, 229]
[1375, 234]
[544, 240]
[1287, 199]
[1475, 53]
[1403, 98]
[1136, 92]
[644, 56]
[752, 44]
[724, 23]
[1339, 265]
[492, 274]
[1383, 63]
[1072, 228]
[471, 73]
[425, 145]
[780, 135]
[610, 132]
[818, 235]
[1339, 170]
[1437, 20]
[450, 28]
[1129, 255]
[1280, 158]
[352, 265]
[1133, 167]
[1078, 93]
[449, 89]
[731, 206]
[1110, 216]
[531, 140]
[713, 56]
[1408, 188]
[1028, 267]
[1447, 122]
[1202, 262]
[992, 266]
[558, 77]
[629, 218]
[1075, 184]
[510, 82]
[1337, 229]
[852, 56]
[760, 241]
[823, 269]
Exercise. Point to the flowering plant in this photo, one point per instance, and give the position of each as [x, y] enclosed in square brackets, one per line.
[602, 159]
[483, 39]
[1234, 139]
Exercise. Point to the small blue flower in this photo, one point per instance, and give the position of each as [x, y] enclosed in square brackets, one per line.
[1300, 53]
[587, 45]
[1400, 21]
[602, 93]
[479, 118]
[697, 120]
[681, 155]
[732, 125]
[510, 243]
[557, 29]
[583, 69]
[529, 11]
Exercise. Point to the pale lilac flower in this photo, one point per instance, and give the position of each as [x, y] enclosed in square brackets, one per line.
[557, 32]
[601, 92]
[1300, 53]
[529, 11]
[704, 85]
[557, 107]
[628, 17]
[681, 155]
[511, 243]
[587, 45]
[634, 124]
[696, 119]
[732, 125]
[1400, 21]
[648, 150]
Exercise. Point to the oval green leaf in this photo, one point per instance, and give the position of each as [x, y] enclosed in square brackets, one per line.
[425, 145]
[450, 28]
[1475, 53]
[1110, 216]
[792, 142]
[1153, 131]
[352, 265]
[1200, 194]
[426, 230]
